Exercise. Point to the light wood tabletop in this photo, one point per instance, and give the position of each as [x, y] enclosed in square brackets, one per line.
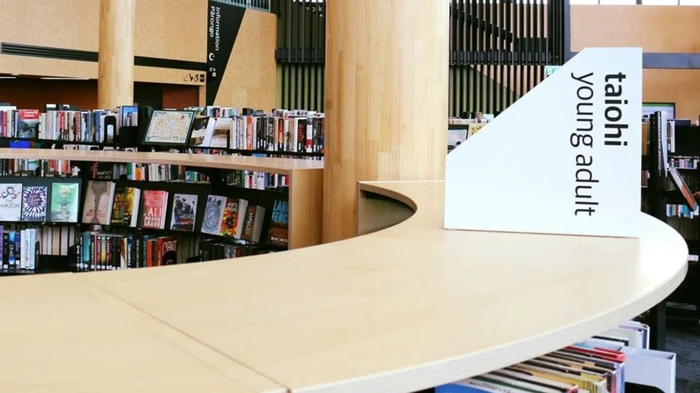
[61, 334]
[409, 307]
[262, 164]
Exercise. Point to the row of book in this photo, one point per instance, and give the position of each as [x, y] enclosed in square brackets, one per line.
[286, 133]
[146, 172]
[105, 251]
[20, 250]
[99, 251]
[459, 133]
[683, 162]
[213, 249]
[53, 240]
[34, 203]
[257, 180]
[682, 211]
[177, 173]
[30, 167]
[281, 130]
[107, 204]
[234, 217]
[96, 126]
[615, 361]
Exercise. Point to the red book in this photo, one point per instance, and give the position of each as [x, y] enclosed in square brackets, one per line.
[167, 251]
[154, 204]
[601, 353]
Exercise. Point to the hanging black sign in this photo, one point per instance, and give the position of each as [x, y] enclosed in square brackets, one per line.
[223, 25]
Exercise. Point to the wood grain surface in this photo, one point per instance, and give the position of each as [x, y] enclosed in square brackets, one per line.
[64, 335]
[273, 165]
[386, 99]
[115, 72]
[409, 307]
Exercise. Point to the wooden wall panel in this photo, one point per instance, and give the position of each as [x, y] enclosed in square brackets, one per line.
[178, 97]
[678, 86]
[251, 75]
[386, 107]
[35, 93]
[69, 24]
[171, 29]
[38, 66]
[659, 29]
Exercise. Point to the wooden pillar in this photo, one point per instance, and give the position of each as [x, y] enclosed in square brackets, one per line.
[386, 102]
[115, 79]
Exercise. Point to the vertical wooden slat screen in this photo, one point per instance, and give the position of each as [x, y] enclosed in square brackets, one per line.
[498, 50]
[300, 54]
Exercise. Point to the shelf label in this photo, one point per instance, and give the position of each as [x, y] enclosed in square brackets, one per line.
[549, 70]
[564, 159]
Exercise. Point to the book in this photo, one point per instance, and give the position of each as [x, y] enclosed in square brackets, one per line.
[11, 202]
[232, 221]
[65, 199]
[131, 204]
[253, 222]
[28, 122]
[184, 212]
[99, 197]
[279, 227]
[167, 251]
[154, 203]
[34, 203]
[213, 214]
[202, 130]
[118, 206]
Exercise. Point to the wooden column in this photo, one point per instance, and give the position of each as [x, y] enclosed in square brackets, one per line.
[115, 79]
[386, 99]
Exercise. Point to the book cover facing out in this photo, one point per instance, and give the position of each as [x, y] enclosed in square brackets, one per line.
[563, 159]
[34, 200]
[65, 198]
[10, 201]
[184, 212]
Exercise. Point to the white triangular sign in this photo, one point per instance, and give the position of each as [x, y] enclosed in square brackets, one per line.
[564, 159]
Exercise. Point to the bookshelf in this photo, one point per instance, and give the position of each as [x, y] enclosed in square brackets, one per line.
[682, 152]
[305, 178]
[431, 306]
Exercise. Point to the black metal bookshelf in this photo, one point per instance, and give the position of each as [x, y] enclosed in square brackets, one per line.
[216, 185]
[657, 196]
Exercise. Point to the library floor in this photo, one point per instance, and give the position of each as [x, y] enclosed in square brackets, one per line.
[683, 338]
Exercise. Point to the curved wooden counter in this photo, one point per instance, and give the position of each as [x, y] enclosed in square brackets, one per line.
[405, 308]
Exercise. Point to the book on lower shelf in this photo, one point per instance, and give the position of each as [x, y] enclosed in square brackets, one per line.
[98, 251]
[617, 360]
